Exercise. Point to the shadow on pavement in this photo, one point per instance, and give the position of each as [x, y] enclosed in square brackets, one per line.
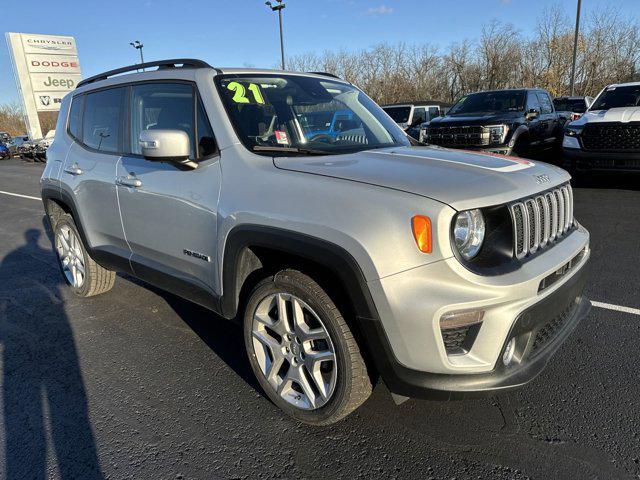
[43, 391]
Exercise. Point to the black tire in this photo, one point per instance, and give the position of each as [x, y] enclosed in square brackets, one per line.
[97, 279]
[521, 149]
[353, 385]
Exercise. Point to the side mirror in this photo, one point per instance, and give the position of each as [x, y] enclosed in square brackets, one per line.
[532, 113]
[166, 146]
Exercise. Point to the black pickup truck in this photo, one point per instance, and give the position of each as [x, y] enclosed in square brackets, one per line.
[518, 122]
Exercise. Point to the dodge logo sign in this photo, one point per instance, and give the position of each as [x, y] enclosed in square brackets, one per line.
[45, 100]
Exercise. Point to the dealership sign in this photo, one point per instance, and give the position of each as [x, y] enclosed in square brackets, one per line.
[46, 68]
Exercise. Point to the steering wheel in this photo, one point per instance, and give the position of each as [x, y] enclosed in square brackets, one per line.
[321, 137]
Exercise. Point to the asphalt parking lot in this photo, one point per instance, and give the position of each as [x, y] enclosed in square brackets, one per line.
[138, 383]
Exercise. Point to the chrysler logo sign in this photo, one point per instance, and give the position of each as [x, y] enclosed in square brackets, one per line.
[50, 44]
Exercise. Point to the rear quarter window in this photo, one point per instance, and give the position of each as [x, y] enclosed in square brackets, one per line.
[75, 117]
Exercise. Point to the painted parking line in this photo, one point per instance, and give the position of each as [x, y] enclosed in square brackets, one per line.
[21, 196]
[617, 308]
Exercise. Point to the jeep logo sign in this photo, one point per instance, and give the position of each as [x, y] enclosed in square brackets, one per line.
[53, 82]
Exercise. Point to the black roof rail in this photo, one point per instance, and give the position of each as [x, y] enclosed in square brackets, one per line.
[161, 64]
[326, 74]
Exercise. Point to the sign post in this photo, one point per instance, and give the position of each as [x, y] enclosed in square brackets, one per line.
[46, 68]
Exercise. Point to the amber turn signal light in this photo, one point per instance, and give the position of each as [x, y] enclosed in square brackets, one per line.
[421, 226]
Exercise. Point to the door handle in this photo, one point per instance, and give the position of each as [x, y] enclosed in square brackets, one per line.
[73, 170]
[128, 182]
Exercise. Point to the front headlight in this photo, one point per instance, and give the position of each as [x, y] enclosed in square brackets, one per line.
[573, 131]
[498, 133]
[468, 232]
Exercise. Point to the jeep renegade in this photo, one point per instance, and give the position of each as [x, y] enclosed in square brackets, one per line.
[347, 257]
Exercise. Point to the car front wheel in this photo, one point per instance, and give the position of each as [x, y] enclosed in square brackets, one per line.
[302, 350]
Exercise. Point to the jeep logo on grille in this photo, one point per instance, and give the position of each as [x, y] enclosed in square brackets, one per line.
[542, 179]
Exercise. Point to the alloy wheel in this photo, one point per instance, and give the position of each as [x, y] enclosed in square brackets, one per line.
[294, 351]
[71, 256]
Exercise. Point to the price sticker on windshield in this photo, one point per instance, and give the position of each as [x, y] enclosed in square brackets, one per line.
[250, 94]
[281, 137]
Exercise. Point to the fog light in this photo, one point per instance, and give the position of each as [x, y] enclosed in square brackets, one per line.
[507, 356]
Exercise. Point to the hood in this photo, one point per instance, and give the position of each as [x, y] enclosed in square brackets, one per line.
[459, 178]
[622, 115]
[487, 118]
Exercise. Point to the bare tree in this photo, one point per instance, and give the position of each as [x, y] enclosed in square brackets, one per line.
[502, 57]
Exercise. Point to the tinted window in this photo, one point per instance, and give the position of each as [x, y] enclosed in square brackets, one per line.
[206, 141]
[75, 116]
[498, 101]
[399, 114]
[419, 115]
[160, 106]
[618, 97]
[545, 103]
[533, 102]
[568, 105]
[101, 120]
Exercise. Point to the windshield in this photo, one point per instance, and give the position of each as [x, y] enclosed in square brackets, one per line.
[399, 114]
[501, 101]
[295, 112]
[567, 105]
[618, 97]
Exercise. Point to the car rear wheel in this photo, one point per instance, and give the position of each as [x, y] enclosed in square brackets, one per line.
[302, 350]
[85, 277]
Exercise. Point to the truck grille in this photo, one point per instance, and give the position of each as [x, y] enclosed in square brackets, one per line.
[611, 137]
[458, 136]
[541, 220]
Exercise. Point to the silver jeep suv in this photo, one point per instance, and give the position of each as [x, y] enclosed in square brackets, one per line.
[348, 253]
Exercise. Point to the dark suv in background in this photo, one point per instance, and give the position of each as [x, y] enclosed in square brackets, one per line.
[519, 122]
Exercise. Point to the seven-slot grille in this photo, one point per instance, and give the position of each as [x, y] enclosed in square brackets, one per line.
[541, 220]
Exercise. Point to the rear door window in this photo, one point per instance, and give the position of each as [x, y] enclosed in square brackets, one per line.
[102, 120]
[545, 103]
[533, 102]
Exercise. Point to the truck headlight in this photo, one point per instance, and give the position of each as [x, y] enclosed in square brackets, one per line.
[573, 131]
[498, 133]
[468, 232]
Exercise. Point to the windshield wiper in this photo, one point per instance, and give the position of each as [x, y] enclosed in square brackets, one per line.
[303, 151]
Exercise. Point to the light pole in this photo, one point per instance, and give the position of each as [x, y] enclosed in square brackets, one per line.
[575, 50]
[138, 46]
[278, 8]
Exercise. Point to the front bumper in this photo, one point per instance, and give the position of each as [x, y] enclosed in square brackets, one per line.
[407, 342]
[581, 160]
[539, 331]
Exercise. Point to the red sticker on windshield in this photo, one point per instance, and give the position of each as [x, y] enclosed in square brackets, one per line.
[281, 137]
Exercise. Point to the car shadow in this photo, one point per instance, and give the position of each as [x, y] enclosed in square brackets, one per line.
[45, 404]
[224, 337]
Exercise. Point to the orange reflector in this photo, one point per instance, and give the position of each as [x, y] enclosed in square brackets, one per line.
[422, 232]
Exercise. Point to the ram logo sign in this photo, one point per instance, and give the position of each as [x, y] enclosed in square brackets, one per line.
[46, 68]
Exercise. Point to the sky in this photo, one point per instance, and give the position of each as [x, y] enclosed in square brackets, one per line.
[245, 32]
